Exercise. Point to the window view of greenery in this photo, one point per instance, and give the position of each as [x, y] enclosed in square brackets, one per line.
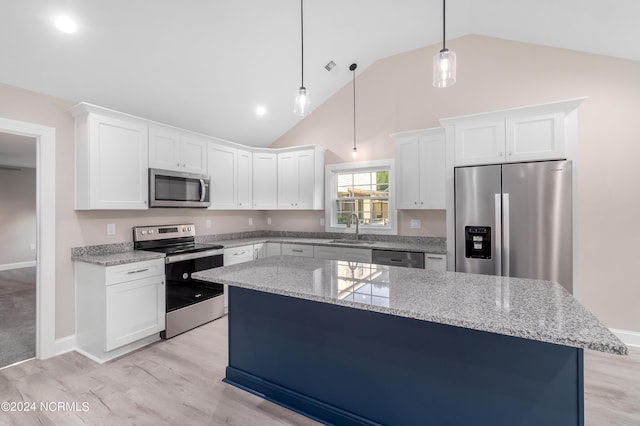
[366, 194]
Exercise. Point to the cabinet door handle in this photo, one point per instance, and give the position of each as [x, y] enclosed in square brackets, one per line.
[240, 253]
[434, 258]
[297, 250]
[137, 272]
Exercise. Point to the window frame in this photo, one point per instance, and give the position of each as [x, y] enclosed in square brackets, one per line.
[331, 190]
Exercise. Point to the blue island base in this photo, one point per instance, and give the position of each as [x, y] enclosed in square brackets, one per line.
[341, 365]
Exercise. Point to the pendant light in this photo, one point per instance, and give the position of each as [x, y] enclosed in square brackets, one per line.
[302, 103]
[352, 68]
[444, 62]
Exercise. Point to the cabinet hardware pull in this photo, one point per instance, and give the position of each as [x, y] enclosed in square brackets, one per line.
[240, 252]
[434, 258]
[137, 272]
[296, 250]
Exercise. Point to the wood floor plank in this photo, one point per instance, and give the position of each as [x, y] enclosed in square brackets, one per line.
[178, 382]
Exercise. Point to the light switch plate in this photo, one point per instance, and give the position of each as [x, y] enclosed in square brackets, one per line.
[111, 229]
[416, 224]
[322, 221]
[208, 223]
[268, 221]
[250, 221]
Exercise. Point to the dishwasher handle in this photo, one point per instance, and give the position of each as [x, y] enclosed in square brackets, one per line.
[406, 259]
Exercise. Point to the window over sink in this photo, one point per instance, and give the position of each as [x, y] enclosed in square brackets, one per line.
[363, 188]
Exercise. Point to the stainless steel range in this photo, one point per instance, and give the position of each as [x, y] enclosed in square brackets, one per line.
[189, 302]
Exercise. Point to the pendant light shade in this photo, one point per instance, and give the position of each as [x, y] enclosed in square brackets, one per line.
[302, 104]
[444, 62]
[354, 152]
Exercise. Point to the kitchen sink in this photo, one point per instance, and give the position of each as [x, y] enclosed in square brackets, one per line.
[347, 241]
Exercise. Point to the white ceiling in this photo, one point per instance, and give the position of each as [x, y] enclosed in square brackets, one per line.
[205, 65]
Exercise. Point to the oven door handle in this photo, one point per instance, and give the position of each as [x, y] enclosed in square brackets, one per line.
[197, 255]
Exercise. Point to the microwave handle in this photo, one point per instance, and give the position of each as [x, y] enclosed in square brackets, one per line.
[203, 190]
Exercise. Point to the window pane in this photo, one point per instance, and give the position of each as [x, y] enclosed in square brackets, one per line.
[361, 178]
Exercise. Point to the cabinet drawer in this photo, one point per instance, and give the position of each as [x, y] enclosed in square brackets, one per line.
[133, 271]
[435, 262]
[342, 253]
[297, 250]
[235, 255]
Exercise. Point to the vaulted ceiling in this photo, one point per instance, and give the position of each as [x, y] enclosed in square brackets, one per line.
[205, 65]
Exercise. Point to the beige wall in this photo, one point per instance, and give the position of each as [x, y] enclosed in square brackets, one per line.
[395, 94]
[17, 215]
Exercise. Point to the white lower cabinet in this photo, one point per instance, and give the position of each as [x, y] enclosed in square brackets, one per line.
[118, 308]
[302, 250]
[435, 262]
[342, 253]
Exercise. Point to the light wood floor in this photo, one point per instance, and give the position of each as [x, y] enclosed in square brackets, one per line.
[177, 382]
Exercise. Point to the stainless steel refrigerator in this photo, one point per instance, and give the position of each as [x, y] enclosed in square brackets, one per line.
[515, 220]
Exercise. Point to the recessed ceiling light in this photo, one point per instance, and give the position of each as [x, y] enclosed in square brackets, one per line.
[65, 24]
[261, 110]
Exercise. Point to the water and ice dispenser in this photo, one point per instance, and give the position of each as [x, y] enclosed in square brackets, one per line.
[477, 242]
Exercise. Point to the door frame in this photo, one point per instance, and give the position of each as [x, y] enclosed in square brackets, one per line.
[45, 229]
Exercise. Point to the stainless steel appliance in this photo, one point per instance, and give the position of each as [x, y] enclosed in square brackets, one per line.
[515, 220]
[407, 259]
[189, 302]
[177, 189]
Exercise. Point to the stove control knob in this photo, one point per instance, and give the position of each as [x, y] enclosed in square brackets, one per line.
[144, 232]
[151, 231]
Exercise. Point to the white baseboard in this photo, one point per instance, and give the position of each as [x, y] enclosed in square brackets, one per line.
[64, 345]
[18, 265]
[629, 338]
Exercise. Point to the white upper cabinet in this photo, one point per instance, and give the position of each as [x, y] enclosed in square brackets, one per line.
[420, 169]
[301, 179]
[265, 180]
[111, 160]
[244, 179]
[171, 149]
[230, 171]
[480, 142]
[516, 135]
[531, 138]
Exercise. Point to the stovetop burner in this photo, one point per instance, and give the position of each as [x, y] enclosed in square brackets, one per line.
[183, 248]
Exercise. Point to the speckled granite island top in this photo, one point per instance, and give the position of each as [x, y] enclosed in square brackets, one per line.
[530, 309]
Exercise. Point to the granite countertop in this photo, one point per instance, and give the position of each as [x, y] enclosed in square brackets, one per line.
[331, 242]
[531, 309]
[117, 254]
[111, 259]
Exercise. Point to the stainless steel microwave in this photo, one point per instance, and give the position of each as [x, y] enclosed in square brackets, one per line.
[178, 189]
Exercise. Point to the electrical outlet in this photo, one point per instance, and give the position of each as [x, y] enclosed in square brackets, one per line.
[250, 221]
[268, 221]
[322, 221]
[208, 223]
[111, 229]
[416, 224]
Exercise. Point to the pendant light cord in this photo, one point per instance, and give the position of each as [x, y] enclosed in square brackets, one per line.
[353, 67]
[443, 24]
[301, 43]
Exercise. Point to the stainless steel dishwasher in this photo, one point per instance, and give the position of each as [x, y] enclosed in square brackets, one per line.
[406, 259]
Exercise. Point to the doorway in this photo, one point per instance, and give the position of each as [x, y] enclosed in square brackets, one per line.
[18, 249]
[45, 142]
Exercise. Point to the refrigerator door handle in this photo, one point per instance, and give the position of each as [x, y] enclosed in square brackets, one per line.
[497, 235]
[505, 233]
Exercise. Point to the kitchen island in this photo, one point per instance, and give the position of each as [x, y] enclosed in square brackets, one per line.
[350, 343]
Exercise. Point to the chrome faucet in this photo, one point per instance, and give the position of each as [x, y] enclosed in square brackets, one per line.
[350, 221]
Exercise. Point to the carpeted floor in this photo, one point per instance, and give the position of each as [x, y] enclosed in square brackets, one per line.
[17, 315]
